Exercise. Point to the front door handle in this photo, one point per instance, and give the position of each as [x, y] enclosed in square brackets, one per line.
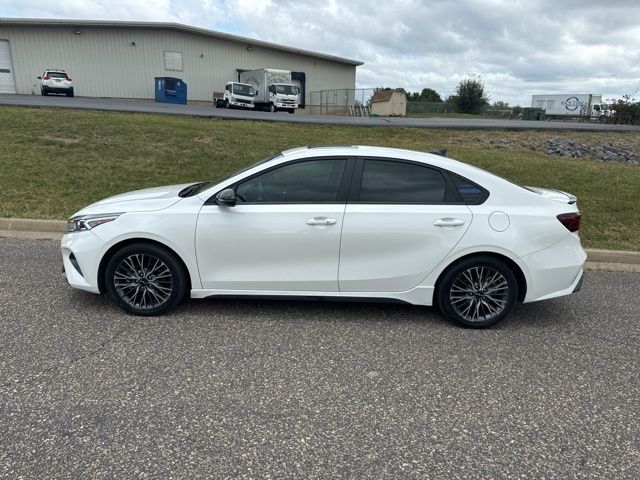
[321, 221]
[448, 222]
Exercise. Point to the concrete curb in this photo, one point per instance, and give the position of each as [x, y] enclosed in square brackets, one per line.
[30, 225]
[597, 259]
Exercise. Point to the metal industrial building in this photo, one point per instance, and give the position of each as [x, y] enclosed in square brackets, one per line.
[121, 59]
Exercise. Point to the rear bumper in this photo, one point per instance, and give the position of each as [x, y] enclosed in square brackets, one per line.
[57, 89]
[554, 271]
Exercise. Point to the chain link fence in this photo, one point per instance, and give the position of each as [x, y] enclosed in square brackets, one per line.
[344, 101]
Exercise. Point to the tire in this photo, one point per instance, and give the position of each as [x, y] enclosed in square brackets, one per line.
[462, 298]
[226, 104]
[44, 92]
[272, 108]
[70, 93]
[292, 110]
[160, 292]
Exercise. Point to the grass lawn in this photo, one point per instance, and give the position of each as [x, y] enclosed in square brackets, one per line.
[53, 162]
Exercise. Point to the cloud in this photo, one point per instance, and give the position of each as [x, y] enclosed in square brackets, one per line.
[518, 47]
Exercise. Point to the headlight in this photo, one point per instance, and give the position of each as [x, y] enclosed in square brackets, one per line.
[87, 222]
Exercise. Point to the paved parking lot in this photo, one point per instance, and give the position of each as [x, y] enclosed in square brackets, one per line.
[206, 110]
[274, 389]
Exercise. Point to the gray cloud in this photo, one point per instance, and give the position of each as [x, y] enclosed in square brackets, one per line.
[518, 47]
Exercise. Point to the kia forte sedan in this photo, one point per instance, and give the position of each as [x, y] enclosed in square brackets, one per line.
[325, 222]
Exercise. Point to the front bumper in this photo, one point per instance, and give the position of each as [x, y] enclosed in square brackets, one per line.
[241, 104]
[81, 254]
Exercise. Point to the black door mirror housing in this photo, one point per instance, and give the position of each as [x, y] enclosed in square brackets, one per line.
[226, 198]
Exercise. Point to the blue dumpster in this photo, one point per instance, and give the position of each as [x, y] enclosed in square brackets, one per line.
[171, 90]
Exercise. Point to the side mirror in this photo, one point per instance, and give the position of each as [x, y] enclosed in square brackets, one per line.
[39, 78]
[226, 198]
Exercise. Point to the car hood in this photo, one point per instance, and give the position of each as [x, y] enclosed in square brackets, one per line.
[551, 194]
[146, 200]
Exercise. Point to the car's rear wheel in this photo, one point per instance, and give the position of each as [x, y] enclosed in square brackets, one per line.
[44, 92]
[145, 279]
[478, 292]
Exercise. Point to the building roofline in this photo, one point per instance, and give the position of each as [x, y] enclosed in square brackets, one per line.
[175, 26]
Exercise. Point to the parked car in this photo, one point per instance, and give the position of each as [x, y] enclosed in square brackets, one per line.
[56, 81]
[354, 222]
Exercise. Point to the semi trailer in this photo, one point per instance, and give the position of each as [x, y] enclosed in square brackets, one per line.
[569, 105]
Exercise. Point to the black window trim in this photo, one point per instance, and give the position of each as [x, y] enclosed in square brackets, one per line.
[343, 187]
[451, 192]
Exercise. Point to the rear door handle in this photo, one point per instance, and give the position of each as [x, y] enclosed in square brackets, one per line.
[321, 221]
[448, 222]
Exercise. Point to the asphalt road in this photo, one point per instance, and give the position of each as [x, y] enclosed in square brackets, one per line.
[274, 389]
[207, 110]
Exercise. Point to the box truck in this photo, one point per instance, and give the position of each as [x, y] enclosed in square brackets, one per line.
[274, 90]
[569, 105]
[235, 94]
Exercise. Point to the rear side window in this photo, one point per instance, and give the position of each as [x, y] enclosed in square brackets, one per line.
[387, 181]
[311, 181]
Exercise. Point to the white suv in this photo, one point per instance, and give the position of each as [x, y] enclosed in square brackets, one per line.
[56, 81]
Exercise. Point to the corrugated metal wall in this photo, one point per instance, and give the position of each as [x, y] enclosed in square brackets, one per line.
[122, 62]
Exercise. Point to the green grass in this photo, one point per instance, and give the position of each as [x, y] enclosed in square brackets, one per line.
[53, 162]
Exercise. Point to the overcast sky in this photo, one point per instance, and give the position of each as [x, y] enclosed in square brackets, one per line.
[518, 47]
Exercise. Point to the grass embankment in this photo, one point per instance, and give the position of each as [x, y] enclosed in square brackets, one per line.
[53, 162]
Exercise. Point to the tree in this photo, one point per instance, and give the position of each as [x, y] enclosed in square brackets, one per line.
[470, 96]
[427, 95]
[430, 95]
[500, 105]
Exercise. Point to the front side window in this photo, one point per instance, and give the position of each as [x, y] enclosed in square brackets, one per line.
[387, 181]
[311, 181]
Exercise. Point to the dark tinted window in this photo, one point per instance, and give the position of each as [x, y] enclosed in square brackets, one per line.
[313, 181]
[57, 75]
[471, 193]
[398, 182]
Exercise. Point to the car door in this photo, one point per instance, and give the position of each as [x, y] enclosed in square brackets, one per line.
[402, 219]
[284, 232]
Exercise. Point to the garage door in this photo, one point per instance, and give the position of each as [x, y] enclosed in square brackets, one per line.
[7, 84]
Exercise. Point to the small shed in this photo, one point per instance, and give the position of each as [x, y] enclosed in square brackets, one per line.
[389, 103]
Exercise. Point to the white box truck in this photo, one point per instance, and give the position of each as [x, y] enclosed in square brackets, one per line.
[235, 94]
[274, 90]
[569, 105]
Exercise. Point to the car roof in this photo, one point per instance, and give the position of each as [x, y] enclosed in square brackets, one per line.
[434, 159]
[59, 70]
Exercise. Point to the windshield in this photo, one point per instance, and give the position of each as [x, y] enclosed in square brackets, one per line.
[287, 89]
[240, 89]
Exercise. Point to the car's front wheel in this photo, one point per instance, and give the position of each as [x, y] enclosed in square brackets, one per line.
[478, 292]
[145, 279]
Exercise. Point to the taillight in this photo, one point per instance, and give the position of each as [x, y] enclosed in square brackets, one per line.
[570, 220]
[68, 79]
[46, 77]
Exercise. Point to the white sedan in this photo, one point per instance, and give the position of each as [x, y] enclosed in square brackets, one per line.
[352, 222]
